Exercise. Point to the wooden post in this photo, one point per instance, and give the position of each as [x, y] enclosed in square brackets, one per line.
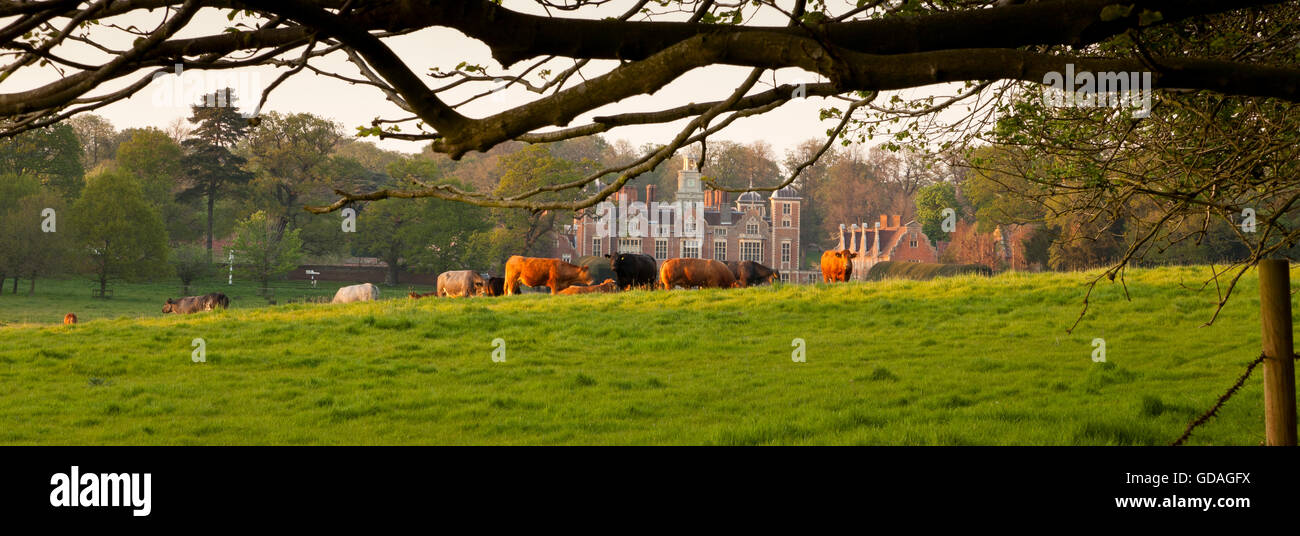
[1279, 353]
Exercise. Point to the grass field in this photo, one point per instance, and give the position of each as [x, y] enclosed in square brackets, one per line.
[957, 361]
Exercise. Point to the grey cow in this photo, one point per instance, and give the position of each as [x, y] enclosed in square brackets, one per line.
[461, 284]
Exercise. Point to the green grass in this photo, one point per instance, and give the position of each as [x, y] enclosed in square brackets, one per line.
[956, 361]
[57, 297]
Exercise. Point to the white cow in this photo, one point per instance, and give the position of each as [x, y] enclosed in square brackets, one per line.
[356, 293]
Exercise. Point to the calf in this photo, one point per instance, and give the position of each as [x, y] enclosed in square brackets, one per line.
[534, 272]
[356, 293]
[416, 296]
[460, 284]
[70, 318]
[608, 286]
[750, 273]
[688, 273]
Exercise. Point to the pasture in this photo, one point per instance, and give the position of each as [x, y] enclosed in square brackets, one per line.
[953, 361]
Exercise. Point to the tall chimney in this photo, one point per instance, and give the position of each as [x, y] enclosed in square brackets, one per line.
[724, 207]
[884, 221]
[649, 193]
[875, 246]
[897, 220]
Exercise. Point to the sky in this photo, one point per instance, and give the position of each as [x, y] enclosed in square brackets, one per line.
[355, 105]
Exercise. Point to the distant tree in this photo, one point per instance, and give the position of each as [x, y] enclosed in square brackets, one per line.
[190, 263]
[211, 169]
[26, 249]
[432, 235]
[123, 236]
[265, 250]
[156, 161]
[52, 155]
[12, 188]
[367, 154]
[996, 196]
[969, 246]
[98, 139]
[290, 156]
[930, 203]
[734, 165]
[528, 169]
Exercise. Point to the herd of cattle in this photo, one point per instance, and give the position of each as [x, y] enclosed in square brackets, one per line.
[631, 270]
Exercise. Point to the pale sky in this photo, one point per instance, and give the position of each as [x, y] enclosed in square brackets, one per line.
[357, 105]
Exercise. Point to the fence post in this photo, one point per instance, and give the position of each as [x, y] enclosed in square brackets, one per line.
[1279, 353]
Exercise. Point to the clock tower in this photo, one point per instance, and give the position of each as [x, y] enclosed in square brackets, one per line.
[689, 189]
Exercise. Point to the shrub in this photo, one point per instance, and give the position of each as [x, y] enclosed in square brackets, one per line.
[922, 271]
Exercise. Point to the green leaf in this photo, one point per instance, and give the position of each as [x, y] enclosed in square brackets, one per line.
[1116, 12]
[1148, 17]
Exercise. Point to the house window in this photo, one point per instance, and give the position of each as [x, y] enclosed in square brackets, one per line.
[913, 242]
[785, 252]
[720, 250]
[661, 249]
[719, 232]
[629, 245]
[785, 209]
[751, 250]
[595, 247]
[785, 277]
[691, 249]
[785, 223]
[566, 257]
[751, 228]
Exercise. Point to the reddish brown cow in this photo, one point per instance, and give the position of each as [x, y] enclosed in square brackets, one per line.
[416, 296]
[688, 273]
[535, 272]
[837, 265]
[70, 318]
[608, 286]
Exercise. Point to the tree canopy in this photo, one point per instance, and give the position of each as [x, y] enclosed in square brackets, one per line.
[579, 56]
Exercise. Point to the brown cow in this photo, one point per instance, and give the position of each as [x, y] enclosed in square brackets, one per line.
[535, 272]
[608, 286]
[837, 265]
[70, 318]
[416, 296]
[688, 273]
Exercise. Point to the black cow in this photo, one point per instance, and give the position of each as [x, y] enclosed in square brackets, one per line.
[496, 286]
[750, 273]
[632, 269]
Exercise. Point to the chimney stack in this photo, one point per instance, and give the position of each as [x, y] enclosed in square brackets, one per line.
[724, 207]
[897, 220]
[884, 221]
[649, 193]
[875, 246]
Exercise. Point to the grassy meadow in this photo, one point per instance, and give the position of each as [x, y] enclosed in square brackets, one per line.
[958, 361]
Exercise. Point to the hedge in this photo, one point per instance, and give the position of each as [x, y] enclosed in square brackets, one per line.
[922, 271]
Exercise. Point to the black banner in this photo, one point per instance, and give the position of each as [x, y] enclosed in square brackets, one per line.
[179, 486]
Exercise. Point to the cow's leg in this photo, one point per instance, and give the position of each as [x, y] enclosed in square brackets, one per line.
[512, 283]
